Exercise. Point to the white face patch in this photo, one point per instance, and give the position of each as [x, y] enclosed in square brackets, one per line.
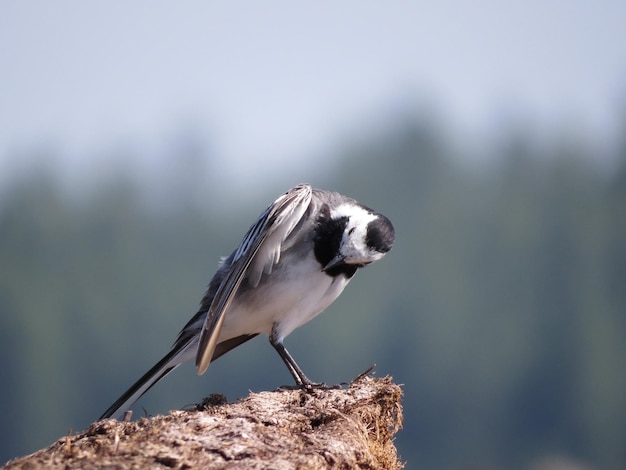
[353, 243]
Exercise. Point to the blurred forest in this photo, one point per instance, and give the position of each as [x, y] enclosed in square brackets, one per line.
[502, 308]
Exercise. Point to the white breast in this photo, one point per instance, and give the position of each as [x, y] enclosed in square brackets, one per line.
[287, 298]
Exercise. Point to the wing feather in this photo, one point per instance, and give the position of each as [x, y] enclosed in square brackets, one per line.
[257, 254]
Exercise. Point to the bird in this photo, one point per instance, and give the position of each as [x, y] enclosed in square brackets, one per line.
[293, 262]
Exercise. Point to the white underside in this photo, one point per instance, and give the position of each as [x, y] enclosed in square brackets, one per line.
[289, 300]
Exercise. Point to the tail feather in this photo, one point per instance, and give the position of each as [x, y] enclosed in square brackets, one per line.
[166, 365]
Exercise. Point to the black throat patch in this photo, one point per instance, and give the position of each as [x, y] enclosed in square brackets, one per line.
[326, 242]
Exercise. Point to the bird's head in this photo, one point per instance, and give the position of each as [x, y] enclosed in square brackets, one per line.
[367, 236]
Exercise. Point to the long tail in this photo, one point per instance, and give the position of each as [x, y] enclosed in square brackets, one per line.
[171, 361]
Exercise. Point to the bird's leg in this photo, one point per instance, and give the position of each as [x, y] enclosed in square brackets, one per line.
[301, 379]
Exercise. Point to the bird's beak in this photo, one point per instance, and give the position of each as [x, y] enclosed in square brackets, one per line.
[336, 261]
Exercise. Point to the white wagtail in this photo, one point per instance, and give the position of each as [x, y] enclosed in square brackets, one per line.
[293, 263]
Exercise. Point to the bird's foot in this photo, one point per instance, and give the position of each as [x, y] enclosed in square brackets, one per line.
[320, 386]
[310, 386]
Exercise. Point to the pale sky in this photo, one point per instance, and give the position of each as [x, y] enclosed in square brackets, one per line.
[274, 81]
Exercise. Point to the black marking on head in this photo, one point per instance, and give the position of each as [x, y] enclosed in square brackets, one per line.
[327, 240]
[380, 234]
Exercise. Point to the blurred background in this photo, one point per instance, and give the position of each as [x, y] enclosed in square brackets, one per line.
[139, 140]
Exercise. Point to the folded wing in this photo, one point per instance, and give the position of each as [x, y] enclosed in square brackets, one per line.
[258, 252]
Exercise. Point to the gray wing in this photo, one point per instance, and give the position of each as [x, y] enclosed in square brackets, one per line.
[257, 254]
